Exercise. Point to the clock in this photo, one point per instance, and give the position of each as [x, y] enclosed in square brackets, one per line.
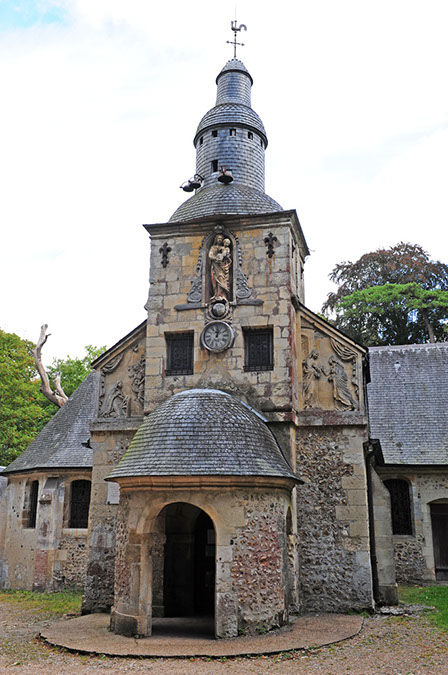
[217, 336]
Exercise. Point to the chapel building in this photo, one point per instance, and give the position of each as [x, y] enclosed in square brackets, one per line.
[218, 460]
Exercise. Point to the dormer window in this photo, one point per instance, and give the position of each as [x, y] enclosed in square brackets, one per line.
[233, 132]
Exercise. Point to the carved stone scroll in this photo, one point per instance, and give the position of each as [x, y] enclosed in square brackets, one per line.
[195, 294]
[242, 287]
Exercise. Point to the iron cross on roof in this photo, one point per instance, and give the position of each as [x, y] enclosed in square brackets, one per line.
[236, 29]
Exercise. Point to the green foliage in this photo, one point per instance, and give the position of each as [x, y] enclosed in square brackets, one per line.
[63, 602]
[434, 596]
[24, 410]
[74, 371]
[391, 296]
[21, 414]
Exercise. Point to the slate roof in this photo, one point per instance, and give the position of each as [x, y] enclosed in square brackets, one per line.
[232, 113]
[408, 402]
[203, 432]
[60, 443]
[219, 199]
[234, 65]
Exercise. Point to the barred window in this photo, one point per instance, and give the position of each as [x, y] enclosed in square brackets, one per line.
[400, 505]
[80, 503]
[258, 349]
[179, 353]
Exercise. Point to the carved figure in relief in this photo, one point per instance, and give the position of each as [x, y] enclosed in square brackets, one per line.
[220, 267]
[137, 375]
[116, 403]
[311, 373]
[338, 377]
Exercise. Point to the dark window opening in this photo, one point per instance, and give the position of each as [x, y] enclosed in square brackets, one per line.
[179, 354]
[400, 506]
[261, 143]
[80, 503]
[258, 349]
[233, 132]
[215, 133]
[250, 135]
[32, 512]
[214, 165]
[201, 140]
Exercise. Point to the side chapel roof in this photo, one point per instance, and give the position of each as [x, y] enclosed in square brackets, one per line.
[62, 443]
[408, 402]
[203, 432]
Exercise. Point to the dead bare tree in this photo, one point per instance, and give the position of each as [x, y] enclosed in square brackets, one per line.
[58, 396]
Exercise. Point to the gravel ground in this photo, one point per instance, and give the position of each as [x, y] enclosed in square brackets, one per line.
[390, 645]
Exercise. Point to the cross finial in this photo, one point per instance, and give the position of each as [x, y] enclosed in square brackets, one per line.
[234, 26]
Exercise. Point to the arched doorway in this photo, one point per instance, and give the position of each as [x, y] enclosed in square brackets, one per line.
[439, 522]
[189, 561]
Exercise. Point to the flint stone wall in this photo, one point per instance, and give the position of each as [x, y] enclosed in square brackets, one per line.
[332, 514]
[251, 556]
[109, 445]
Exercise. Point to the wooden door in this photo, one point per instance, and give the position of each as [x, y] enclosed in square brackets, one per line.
[439, 520]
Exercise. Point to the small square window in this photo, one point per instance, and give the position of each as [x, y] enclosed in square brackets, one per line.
[233, 132]
[258, 349]
[250, 135]
[215, 133]
[179, 353]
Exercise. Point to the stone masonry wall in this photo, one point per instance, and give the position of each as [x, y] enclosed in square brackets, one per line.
[334, 557]
[109, 445]
[409, 561]
[70, 564]
[258, 564]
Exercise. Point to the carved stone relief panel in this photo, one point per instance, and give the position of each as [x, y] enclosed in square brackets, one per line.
[122, 383]
[329, 371]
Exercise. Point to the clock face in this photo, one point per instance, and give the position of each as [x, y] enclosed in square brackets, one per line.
[217, 336]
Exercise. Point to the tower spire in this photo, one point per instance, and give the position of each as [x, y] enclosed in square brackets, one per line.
[234, 26]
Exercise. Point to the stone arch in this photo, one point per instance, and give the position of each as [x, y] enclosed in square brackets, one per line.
[438, 512]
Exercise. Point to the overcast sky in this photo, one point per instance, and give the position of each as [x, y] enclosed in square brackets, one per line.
[100, 102]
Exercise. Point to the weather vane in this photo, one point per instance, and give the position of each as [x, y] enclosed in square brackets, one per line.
[236, 29]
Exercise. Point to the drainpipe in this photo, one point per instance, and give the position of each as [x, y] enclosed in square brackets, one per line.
[370, 450]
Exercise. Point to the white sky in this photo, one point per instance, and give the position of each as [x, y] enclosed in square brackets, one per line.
[100, 102]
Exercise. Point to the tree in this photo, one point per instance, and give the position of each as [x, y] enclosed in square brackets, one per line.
[391, 296]
[21, 412]
[71, 372]
[24, 410]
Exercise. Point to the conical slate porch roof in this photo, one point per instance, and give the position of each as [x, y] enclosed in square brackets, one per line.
[203, 432]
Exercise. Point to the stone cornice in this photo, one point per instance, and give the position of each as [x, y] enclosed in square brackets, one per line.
[201, 226]
[201, 482]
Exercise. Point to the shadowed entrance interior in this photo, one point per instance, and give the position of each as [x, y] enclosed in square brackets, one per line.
[188, 562]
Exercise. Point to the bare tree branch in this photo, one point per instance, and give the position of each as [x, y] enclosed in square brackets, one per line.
[58, 397]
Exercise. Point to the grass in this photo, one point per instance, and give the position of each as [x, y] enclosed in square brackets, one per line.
[64, 602]
[435, 596]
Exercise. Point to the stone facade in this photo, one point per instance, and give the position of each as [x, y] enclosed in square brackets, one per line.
[251, 567]
[334, 554]
[414, 552]
[49, 555]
